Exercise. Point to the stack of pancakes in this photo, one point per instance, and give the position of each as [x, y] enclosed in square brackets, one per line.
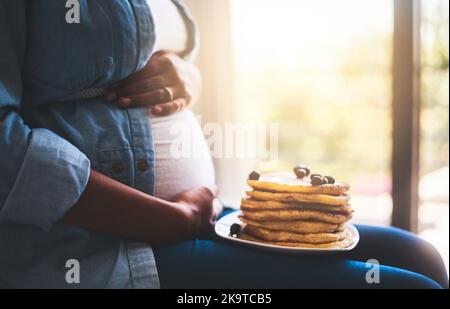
[286, 211]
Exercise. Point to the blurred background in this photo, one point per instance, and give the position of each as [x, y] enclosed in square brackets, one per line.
[322, 70]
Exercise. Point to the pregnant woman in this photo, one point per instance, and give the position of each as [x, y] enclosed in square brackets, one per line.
[87, 174]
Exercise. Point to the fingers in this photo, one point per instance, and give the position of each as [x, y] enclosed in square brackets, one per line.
[138, 87]
[209, 192]
[204, 205]
[212, 202]
[207, 196]
[169, 108]
[217, 209]
[206, 231]
[215, 189]
[198, 196]
[165, 81]
[144, 73]
[157, 65]
[147, 99]
[163, 61]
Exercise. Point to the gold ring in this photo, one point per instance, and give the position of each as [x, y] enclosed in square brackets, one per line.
[169, 93]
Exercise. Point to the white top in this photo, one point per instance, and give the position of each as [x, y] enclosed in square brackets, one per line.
[182, 157]
[170, 27]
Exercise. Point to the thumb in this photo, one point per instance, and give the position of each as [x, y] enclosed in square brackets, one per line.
[214, 189]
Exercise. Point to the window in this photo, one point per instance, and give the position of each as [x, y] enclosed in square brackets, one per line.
[434, 169]
[343, 81]
[324, 75]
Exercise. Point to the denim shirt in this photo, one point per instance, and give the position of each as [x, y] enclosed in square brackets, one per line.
[49, 145]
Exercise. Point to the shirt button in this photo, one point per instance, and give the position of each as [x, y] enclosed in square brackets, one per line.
[109, 62]
[142, 165]
[117, 167]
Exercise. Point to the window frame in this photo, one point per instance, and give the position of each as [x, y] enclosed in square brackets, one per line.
[406, 114]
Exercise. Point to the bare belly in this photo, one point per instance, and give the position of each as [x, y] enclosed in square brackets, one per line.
[182, 157]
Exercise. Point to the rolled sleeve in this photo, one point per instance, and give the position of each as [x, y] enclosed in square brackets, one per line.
[41, 174]
[51, 179]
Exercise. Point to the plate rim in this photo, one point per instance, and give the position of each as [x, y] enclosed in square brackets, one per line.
[278, 248]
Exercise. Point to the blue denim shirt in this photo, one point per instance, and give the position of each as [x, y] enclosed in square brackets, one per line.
[48, 146]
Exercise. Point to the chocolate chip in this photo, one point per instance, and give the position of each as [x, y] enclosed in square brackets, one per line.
[301, 171]
[235, 229]
[316, 180]
[324, 181]
[307, 171]
[254, 176]
[330, 179]
[315, 174]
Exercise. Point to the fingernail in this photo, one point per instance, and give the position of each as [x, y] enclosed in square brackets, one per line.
[124, 102]
[111, 96]
[157, 109]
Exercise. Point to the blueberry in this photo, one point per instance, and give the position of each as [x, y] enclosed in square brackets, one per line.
[330, 179]
[316, 180]
[301, 171]
[254, 175]
[235, 229]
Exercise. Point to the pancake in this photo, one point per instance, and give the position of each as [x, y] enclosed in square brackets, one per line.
[251, 204]
[294, 214]
[290, 184]
[332, 245]
[295, 226]
[317, 238]
[300, 197]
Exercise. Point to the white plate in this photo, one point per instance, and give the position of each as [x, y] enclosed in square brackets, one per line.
[222, 229]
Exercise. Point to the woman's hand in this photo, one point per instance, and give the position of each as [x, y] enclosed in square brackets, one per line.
[109, 206]
[167, 84]
[203, 208]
